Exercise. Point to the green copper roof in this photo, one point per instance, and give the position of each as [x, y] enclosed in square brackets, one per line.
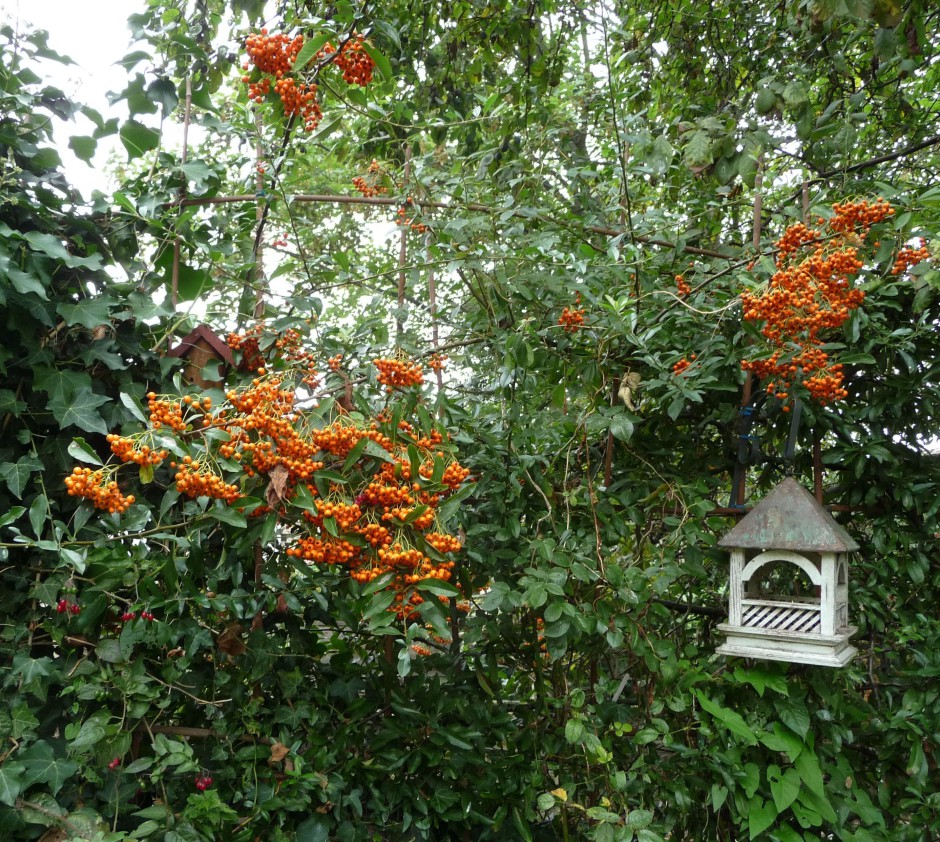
[789, 518]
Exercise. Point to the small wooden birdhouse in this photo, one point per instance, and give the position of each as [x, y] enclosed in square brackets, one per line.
[199, 348]
[788, 594]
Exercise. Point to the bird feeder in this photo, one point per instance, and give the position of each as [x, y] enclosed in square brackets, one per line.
[199, 348]
[788, 594]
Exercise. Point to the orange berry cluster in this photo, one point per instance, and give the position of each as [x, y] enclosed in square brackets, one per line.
[369, 184]
[355, 63]
[909, 256]
[398, 373]
[193, 482]
[380, 517]
[572, 319]
[811, 293]
[437, 362]
[275, 55]
[403, 220]
[97, 487]
[682, 286]
[248, 344]
[129, 449]
[682, 365]
[166, 413]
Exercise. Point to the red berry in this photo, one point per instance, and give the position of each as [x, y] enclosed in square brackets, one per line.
[114, 763]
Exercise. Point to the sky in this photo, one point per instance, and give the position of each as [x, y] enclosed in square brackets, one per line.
[94, 34]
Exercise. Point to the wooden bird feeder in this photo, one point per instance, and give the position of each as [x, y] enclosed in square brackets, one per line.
[199, 348]
[788, 594]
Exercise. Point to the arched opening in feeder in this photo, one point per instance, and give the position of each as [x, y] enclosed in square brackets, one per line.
[784, 578]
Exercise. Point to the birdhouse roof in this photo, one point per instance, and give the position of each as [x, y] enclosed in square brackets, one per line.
[203, 336]
[789, 518]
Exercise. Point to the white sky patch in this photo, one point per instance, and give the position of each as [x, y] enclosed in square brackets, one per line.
[96, 37]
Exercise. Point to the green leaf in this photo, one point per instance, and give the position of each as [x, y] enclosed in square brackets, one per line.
[12, 515]
[135, 407]
[621, 427]
[25, 283]
[31, 668]
[16, 474]
[545, 802]
[699, 150]
[11, 783]
[760, 815]
[794, 716]
[766, 101]
[309, 50]
[795, 93]
[224, 514]
[192, 282]
[23, 721]
[438, 587]
[784, 786]
[138, 139]
[42, 766]
[38, 512]
[729, 718]
[109, 651]
[90, 313]
[81, 411]
[382, 64]
[638, 819]
[84, 147]
[82, 451]
[378, 584]
[807, 765]
[380, 602]
[783, 741]
[53, 247]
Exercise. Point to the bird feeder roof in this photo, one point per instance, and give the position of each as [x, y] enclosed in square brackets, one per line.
[202, 337]
[789, 518]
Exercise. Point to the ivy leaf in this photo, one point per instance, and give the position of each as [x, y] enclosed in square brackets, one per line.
[81, 411]
[17, 474]
[25, 283]
[53, 247]
[41, 766]
[11, 783]
[31, 668]
[795, 93]
[23, 721]
[90, 313]
[138, 139]
[84, 147]
[698, 151]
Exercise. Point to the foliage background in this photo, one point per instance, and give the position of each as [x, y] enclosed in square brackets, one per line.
[593, 149]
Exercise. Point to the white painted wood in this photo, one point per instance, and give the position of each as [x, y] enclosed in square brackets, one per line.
[795, 648]
[827, 596]
[794, 629]
[769, 556]
[735, 589]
